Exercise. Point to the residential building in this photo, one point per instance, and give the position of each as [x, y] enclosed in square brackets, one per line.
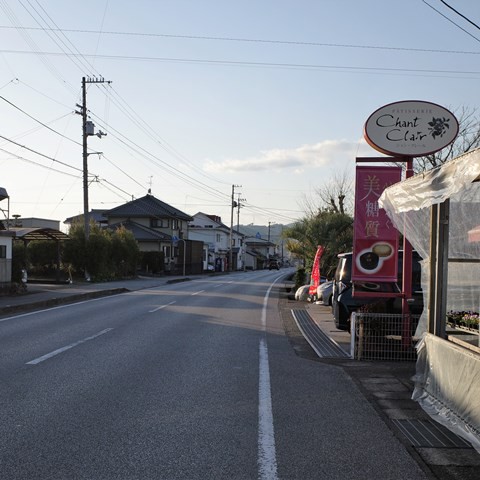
[159, 227]
[94, 215]
[259, 252]
[215, 236]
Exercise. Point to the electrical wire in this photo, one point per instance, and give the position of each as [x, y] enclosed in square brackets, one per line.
[308, 66]
[39, 164]
[139, 150]
[451, 21]
[253, 40]
[40, 154]
[40, 122]
[33, 45]
[460, 14]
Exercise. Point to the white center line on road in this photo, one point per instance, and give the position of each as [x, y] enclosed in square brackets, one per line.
[161, 306]
[196, 293]
[267, 456]
[68, 347]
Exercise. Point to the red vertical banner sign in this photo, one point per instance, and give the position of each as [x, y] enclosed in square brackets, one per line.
[315, 280]
[375, 242]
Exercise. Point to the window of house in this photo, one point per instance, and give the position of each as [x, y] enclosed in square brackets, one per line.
[219, 238]
[158, 223]
[175, 224]
[167, 251]
[3, 251]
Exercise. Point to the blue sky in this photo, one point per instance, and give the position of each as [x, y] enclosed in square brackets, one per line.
[269, 95]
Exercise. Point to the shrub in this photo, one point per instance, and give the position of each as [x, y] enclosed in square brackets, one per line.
[300, 277]
[106, 255]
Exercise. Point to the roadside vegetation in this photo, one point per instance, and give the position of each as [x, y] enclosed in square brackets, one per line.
[107, 255]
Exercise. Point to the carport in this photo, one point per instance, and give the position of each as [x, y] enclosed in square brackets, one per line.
[29, 234]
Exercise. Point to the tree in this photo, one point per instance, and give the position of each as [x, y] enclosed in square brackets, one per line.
[125, 253]
[106, 255]
[332, 230]
[337, 194]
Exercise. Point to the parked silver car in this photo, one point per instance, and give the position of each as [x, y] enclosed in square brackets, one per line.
[325, 293]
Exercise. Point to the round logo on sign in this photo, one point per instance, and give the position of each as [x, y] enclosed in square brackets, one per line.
[410, 128]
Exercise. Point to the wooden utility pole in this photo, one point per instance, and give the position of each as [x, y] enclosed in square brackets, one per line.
[234, 204]
[87, 130]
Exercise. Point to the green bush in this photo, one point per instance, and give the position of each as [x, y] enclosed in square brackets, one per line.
[300, 277]
[107, 255]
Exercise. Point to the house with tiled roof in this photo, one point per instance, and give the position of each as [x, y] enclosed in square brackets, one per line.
[215, 236]
[159, 227]
[95, 215]
[258, 252]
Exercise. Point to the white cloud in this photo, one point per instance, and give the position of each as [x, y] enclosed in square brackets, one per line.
[326, 153]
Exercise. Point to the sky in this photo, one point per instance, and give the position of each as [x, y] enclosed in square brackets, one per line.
[267, 98]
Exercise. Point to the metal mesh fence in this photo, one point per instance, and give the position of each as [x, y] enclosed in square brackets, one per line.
[384, 336]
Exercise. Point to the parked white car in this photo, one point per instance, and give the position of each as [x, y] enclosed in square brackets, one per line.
[302, 294]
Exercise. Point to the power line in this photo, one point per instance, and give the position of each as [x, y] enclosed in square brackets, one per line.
[40, 154]
[460, 14]
[33, 45]
[309, 66]
[250, 40]
[38, 164]
[38, 121]
[155, 160]
[451, 21]
[139, 121]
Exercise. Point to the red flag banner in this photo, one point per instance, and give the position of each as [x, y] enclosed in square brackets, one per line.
[315, 280]
[375, 244]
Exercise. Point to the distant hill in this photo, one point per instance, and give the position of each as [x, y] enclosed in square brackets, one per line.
[275, 231]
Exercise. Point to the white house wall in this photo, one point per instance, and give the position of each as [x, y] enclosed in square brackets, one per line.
[6, 263]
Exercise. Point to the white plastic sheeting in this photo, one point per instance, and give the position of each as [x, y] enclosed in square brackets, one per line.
[446, 371]
[408, 205]
[434, 186]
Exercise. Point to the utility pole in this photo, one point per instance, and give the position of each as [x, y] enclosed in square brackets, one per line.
[238, 226]
[234, 204]
[268, 248]
[87, 130]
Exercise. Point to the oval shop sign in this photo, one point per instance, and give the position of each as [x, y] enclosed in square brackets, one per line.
[410, 128]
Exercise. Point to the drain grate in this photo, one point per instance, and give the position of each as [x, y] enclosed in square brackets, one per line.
[429, 434]
[323, 345]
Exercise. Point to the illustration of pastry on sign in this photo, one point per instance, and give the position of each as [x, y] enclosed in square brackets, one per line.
[383, 250]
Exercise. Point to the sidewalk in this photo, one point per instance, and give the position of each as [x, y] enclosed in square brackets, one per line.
[388, 386]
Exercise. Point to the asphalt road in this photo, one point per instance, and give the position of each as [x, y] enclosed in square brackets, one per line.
[193, 380]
